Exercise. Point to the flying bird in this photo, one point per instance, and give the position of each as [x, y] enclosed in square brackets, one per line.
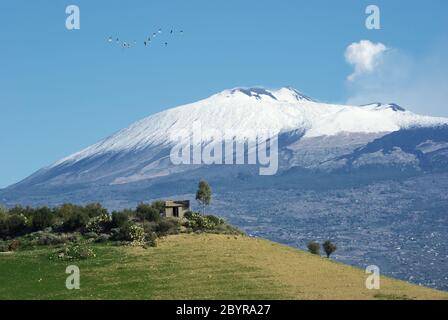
[146, 42]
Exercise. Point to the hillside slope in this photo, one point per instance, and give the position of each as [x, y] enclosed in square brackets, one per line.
[197, 267]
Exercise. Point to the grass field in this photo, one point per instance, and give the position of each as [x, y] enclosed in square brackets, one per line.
[196, 266]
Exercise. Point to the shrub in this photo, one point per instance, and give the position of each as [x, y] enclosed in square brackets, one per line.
[99, 224]
[19, 210]
[103, 238]
[200, 222]
[314, 247]
[188, 215]
[163, 227]
[116, 234]
[129, 232]
[151, 239]
[150, 226]
[95, 210]
[42, 218]
[136, 235]
[147, 212]
[168, 226]
[16, 225]
[214, 220]
[329, 247]
[3, 224]
[78, 251]
[120, 218]
[159, 205]
[46, 238]
[3, 211]
[67, 210]
[77, 220]
[91, 235]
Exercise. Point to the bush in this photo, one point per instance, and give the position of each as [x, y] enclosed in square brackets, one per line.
[77, 220]
[136, 235]
[147, 212]
[3, 224]
[150, 226]
[188, 215]
[67, 210]
[95, 210]
[214, 220]
[168, 226]
[163, 227]
[159, 205]
[313, 247]
[19, 210]
[116, 234]
[329, 247]
[91, 235]
[42, 218]
[78, 251]
[3, 211]
[47, 238]
[120, 219]
[99, 224]
[129, 232]
[103, 238]
[197, 221]
[16, 225]
[151, 239]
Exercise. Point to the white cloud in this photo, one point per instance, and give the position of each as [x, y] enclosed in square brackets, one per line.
[364, 56]
[418, 84]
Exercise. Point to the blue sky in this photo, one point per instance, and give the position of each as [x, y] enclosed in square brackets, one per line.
[63, 90]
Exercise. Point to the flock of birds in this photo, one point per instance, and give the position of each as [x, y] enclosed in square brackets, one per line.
[146, 42]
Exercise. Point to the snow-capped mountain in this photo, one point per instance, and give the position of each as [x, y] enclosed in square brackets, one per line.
[312, 136]
[246, 113]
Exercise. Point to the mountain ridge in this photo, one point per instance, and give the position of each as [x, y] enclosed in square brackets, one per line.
[246, 112]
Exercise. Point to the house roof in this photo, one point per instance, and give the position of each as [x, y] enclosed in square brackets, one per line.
[177, 203]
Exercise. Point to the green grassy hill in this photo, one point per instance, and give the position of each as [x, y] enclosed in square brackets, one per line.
[196, 266]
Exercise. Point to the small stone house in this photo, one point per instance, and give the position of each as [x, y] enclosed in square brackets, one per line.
[176, 208]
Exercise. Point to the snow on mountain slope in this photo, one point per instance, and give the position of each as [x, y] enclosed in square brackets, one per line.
[247, 113]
